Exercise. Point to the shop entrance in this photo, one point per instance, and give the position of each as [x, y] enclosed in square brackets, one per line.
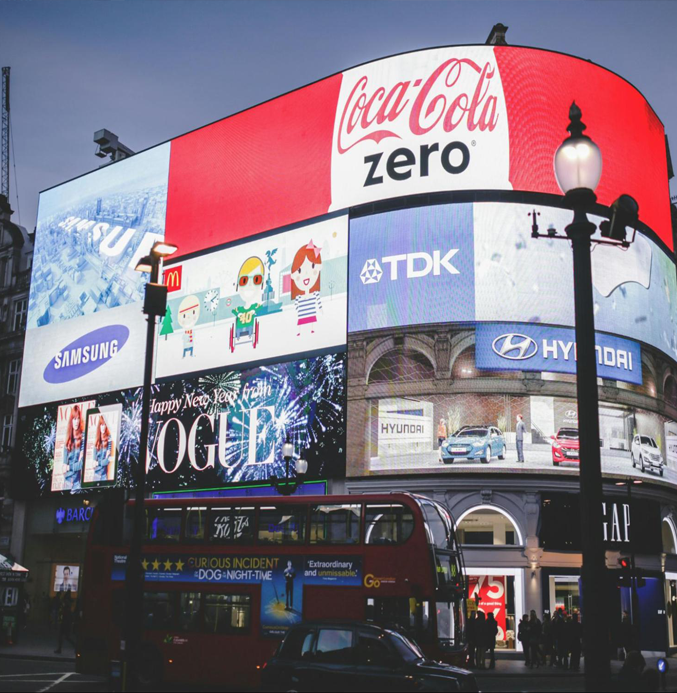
[565, 593]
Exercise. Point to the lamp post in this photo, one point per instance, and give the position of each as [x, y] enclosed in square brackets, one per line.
[154, 306]
[288, 485]
[578, 169]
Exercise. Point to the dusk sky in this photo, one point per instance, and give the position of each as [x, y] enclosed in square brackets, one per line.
[149, 70]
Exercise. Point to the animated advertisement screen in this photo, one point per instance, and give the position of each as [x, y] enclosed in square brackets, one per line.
[206, 432]
[270, 298]
[467, 262]
[90, 234]
[461, 433]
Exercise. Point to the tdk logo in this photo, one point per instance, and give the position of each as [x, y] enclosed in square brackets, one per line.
[411, 265]
[86, 354]
[515, 347]
[519, 347]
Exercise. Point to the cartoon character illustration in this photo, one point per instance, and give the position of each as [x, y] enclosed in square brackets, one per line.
[250, 287]
[189, 312]
[305, 290]
[103, 446]
[74, 452]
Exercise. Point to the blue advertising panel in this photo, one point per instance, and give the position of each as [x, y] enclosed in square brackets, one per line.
[412, 266]
[90, 234]
[524, 347]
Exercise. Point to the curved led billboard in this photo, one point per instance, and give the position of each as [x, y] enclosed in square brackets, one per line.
[441, 119]
[472, 262]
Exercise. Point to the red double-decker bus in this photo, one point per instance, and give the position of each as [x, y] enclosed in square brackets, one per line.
[225, 580]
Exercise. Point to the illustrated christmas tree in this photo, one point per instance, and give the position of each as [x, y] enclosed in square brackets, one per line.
[167, 327]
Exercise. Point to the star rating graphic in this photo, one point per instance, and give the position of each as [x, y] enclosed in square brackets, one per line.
[164, 564]
[371, 272]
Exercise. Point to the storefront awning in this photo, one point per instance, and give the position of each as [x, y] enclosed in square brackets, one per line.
[11, 571]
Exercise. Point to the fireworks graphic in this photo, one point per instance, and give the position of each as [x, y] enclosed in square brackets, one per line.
[229, 383]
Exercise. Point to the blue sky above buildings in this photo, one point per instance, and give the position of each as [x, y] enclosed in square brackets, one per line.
[150, 70]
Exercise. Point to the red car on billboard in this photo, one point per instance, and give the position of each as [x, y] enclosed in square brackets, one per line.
[565, 446]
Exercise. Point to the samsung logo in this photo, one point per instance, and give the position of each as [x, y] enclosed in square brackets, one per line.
[86, 354]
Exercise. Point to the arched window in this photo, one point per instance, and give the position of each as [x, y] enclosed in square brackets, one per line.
[670, 391]
[487, 525]
[401, 365]
[669, 536]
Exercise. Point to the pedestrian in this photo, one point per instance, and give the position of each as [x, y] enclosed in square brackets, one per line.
[564, 642]
[520, 429]
[523, 637]
[491, 631]
[630, 676]
[65, 621]
[25, 610]
[624, 636]
[480, 634]
[55, 610]
[470, 630]
[535, 630]
[441, 432]
[546, 640]
[574, 639]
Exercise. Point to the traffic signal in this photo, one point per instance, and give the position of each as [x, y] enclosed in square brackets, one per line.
[625, 578]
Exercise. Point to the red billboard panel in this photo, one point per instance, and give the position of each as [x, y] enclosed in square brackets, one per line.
[444, 119]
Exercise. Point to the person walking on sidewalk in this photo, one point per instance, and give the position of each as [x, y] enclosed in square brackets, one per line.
[535, 630]
[574, 639]
[471, 630]
[480, 638]
[546, 641]
[65, 621]
[523, 637]
[520, 430]
[491, 630]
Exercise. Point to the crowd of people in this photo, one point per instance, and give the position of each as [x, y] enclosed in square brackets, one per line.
[555, 641]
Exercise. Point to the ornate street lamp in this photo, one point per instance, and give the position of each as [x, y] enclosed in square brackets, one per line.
[288, 484]
[578, 169]
[154, 306]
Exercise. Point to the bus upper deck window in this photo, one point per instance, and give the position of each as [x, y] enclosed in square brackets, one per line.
[282, 525]
[163, 524]
[196, 521]
[232, 525]
[335, 524]
[390, 523]
[438, 530]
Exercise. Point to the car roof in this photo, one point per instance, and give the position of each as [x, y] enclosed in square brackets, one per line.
[333, 622]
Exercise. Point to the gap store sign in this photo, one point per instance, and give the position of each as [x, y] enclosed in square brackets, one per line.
[523, 347]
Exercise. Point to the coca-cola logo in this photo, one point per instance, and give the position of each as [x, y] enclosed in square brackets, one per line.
[456, 93]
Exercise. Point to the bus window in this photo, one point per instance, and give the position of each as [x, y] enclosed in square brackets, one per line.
[163, 524]
[231, 525]
[189, 611]
[282, 525]
[196, 520]
[436, 528]
[158, 611]
[406, 613]
[388, 524]
[335, 524]
[227, 613]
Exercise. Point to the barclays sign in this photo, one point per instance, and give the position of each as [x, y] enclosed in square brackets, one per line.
[512, 346]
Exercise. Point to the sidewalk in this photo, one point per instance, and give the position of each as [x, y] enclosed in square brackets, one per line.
[513, 667]
[38, 642]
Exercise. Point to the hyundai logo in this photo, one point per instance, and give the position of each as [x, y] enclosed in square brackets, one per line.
[516, 347]
[571, 414]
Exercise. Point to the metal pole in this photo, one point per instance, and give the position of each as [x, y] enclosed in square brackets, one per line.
[593, 573]
[135, 574]
[633, 581]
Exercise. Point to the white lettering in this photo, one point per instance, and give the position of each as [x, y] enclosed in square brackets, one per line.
[211, 448]
[392, 260]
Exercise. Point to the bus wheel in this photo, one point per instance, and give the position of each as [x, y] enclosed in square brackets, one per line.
[149, 668]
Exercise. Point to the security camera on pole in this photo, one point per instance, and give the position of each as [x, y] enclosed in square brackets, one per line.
[578, 169]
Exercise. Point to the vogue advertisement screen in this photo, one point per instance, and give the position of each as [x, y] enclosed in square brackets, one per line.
[206, 432]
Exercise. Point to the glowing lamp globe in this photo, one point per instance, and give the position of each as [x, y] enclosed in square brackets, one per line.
[301, 466]
[578, 160]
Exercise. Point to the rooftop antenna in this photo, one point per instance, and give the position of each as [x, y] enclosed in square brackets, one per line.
[4, 145]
